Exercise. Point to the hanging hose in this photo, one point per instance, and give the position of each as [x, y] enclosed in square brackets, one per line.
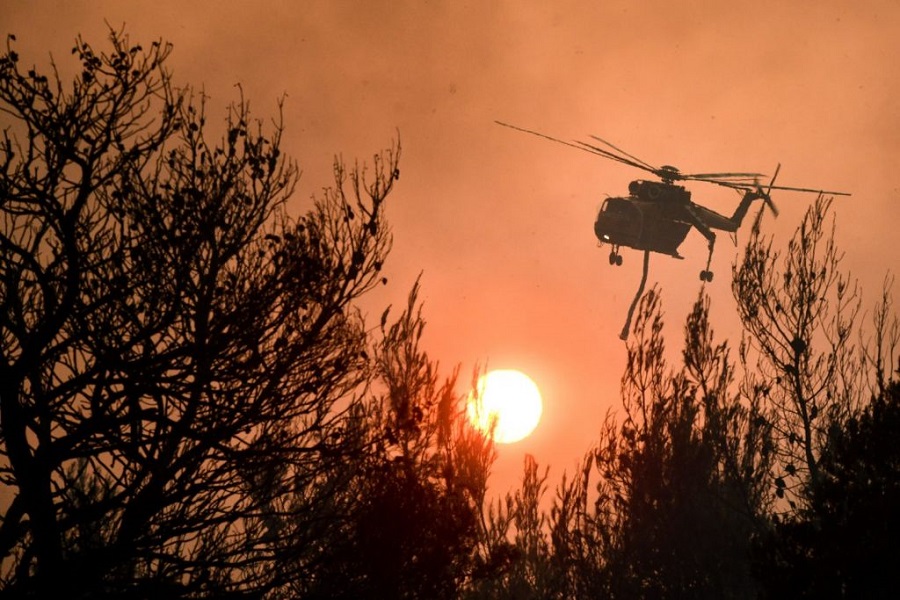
[624, 335]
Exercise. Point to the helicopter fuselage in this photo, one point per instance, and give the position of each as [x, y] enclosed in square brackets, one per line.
[651, 218]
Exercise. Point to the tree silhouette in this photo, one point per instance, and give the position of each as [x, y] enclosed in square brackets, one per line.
[799, 314]
[517, 556]
[415, 497]
[182, 362]
[837, 467]
[843, 542]
[667, 503]
[679, 490]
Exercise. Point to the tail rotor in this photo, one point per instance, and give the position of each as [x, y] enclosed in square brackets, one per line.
[766, 197]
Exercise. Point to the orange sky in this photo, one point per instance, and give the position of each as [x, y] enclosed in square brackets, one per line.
[500, 222]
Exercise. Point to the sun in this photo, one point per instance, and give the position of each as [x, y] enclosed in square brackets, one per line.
[507, 402]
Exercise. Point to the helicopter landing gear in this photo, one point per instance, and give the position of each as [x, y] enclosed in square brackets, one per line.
[615, 258]
[706, 274]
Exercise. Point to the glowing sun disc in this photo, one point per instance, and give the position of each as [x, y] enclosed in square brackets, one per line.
[507, 401]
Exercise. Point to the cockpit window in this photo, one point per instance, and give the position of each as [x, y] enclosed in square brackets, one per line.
[615, 205]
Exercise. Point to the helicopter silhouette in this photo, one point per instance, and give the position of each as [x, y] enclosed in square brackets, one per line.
[656, 216]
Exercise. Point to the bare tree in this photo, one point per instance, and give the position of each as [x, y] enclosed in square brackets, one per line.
[799, 312]
[181, 360]
[882, 350]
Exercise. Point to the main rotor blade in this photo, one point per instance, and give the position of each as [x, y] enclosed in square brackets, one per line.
[729, 180]
[800, 189]
[607, 154]
[772, 186]
[724, 175]
[542, 135]
[623, 153]
[577, 145]
[735, 185]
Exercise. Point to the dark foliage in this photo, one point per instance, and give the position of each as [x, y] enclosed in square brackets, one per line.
[845, 544]
[681, 478]
[417, 493]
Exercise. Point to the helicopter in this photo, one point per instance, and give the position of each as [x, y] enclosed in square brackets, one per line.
[657, 215]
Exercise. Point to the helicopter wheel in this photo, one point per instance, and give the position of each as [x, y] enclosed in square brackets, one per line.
[618, 260]
[706, 276]
[615, 258]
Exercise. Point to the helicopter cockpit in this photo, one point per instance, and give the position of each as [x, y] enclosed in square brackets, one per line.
[619, 222]
[623, 222]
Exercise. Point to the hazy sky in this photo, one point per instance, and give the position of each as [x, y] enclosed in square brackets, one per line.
[500, 223]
